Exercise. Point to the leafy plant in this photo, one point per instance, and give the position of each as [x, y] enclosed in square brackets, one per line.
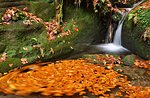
[133, 16]
[24, 50]
[11, 53]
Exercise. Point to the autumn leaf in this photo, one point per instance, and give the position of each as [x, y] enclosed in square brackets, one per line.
[24, 61]
[76, 29]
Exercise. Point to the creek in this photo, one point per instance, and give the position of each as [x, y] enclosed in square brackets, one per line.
[115, 46]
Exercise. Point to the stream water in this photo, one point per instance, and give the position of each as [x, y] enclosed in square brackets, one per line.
[115, 47]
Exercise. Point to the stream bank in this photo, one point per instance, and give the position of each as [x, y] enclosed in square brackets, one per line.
[136, 33]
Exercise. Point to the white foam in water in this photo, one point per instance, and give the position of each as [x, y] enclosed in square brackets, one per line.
[116, 47]
[117, 37]
[111, 48]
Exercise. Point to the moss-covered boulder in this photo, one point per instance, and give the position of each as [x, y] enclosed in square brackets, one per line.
[29, 44]
[128, 60]
[5, 4]
[136, 30]
[41, 8]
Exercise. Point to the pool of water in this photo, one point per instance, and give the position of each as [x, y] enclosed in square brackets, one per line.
[110, 48]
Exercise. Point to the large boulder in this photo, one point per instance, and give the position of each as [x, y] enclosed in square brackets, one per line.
[22, 44]
[136, 30]
[41, 8]
[5, 4]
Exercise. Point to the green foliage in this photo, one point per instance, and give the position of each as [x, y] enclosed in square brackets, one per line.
[34, 41]
[133, 41]
[4, 66]
[143, 17]
[130, 16]
[68, 26]
[116, 16]
[11, 53]
[23, 50]
[133, 17]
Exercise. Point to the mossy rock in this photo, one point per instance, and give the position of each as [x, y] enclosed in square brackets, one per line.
[42, 9]
[18, 37]
[134, 29]
[2, 47]
[128, 60]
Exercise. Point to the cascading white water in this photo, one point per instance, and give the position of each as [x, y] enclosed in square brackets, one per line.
[117, 37]
[116, 47]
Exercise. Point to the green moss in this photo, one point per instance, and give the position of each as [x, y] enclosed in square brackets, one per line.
[143, 17]
[2, 47]
[4, 66]
[41, 8]
[128, 60]
[44, 10]
[84, 22]
[17, 35]
[133, 30]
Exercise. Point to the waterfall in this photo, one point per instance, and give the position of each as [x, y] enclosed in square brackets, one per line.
[115, 46]
[117, 37]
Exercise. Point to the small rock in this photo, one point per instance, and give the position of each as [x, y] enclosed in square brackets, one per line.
[128, 60]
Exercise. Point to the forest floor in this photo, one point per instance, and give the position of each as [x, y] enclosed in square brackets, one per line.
[104, 76]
